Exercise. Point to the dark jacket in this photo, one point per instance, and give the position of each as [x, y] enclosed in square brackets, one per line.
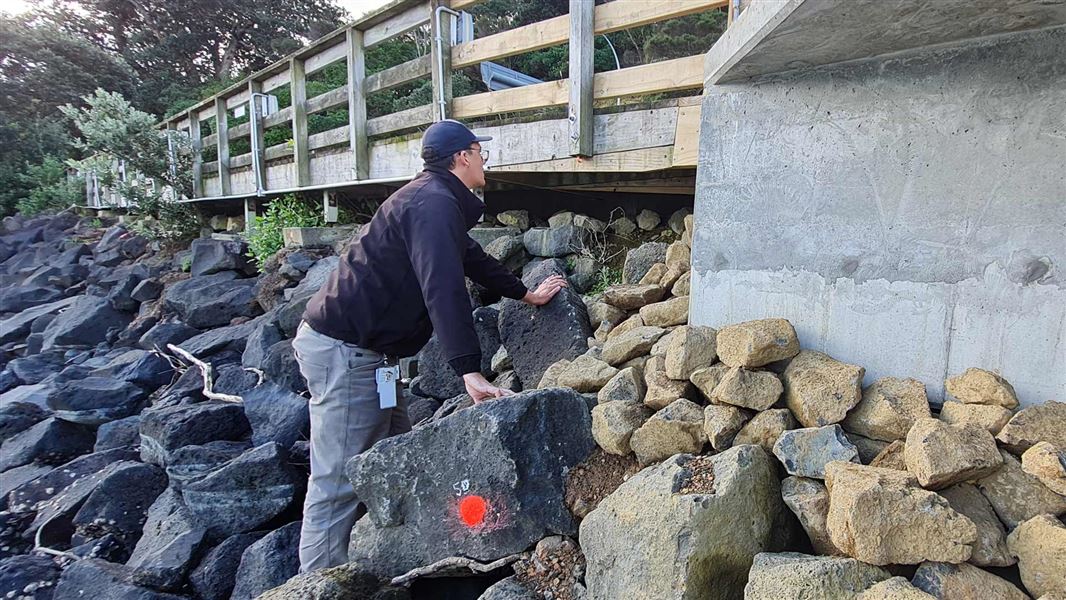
[404, 278]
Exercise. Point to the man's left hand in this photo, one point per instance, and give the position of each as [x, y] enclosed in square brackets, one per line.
[545, 291]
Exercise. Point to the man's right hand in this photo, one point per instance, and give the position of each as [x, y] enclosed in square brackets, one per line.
[480, 389]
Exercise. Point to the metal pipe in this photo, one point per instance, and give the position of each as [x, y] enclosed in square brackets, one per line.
[442, 104]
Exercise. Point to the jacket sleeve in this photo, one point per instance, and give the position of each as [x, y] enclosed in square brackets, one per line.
[488, 271]
[435, 239]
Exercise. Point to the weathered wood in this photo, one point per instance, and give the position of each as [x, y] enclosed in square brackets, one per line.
[239, 131]
[330, 137]
[275, 152]
[668, 75]
[398, 75]
[208, 140]
[237, 99]
[327, 100]
[197, 155]
[281, 117]
[538, 95]
[404, 119]
[276, 80]
[666, 185]
[582, 70]
[354, 90]
[627, 14]
[687, 137]
[298, 83]
[441, 62]
[326, 57]
[519, 40]
[413, 17]
[645, 159]
[259, 169]
[222, 145]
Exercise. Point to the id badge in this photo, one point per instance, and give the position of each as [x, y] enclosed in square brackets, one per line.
[387, 378]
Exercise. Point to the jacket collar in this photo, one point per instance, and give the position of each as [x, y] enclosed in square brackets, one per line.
[471, 206]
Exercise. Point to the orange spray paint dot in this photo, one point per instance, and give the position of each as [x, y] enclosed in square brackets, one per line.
[472, 510]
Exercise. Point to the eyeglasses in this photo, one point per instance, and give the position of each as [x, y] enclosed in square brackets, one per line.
[484, 154]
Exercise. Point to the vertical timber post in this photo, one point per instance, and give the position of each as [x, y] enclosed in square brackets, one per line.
[441, 61]
[222, 125]
[255, 122]
[330, 212]
[357, 104]
[301, 158]
[582, 36]
[250, 205]
[197, 154]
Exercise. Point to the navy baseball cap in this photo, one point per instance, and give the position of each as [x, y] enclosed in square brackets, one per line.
[445, 138]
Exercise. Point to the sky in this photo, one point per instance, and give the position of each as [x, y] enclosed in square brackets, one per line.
[355, 7]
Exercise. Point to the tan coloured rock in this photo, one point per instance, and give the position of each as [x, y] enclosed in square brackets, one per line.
[600, 312]
[672, 276]
[990, 549]
[691, 347]
[626, 326]
[637, 363]
[756, 343]
[1048, 464]
[632, 296]
[977, 386]
[613, 424]
[765, 428]
[661, 390]
[586, 374]
[1040, 546]
[678, 254]
[708, 378]
[654, 274]
[891, 457]
[809, 501]
[940, 455]
[631, 344]
[721, 424]
[991, 418]
[820, 390]
[897, 588]
[1040, 423]
[1016, 495]
[666, 313]
[794, 576]
[551, 374]
[627, 385]
[962, 582]
[888, 408]
[659, 349]
[882, 517]
[757, 390]
[683, 285]
[600, 335]
[678, 428]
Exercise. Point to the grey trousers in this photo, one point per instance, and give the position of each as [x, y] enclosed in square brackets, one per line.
[346, 419]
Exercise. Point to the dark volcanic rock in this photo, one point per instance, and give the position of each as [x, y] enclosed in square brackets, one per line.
[51, 442]
[28, 577]
[276, 415]
[192, 463]
[166, 429]
[214, 577]
[36, 368]
[212, 256]
[97, 579]
[438, 380]
[268, 563]
[57, 513]
[121, 293]
[537, 337]
[147, 370]
[119, 504]
[639, 260]
[427, 499]
[12, 479]
[37, 494]
[234, 380]
[123, 433]
[554, 241]
[17, 326]
[96, 400]
[86, 322]
[280, 366]
[264, 335]
[19, 416]
[244, 493]
[20, 297]
[147, 290]
[166, 332]
[221, 339]
[170, 544]
[211, 300]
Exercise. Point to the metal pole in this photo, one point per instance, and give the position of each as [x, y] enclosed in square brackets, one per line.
[442, 104]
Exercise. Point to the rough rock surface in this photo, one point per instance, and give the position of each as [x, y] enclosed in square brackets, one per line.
[757, 343]
[276, 414]
[640, 259]
[28, 577]
[941, 455]
[553, 242]
[808, 499]
[586, 374]
[1040, 545]
[757, 390]
[1048, 464]
[947, 581]
[631, 540]
[631, 344]
[166, 429]
[666, 313]
[708, 378]
[891, 457]
[721, 423]
[991, 417]
[990, 549]
[1018, 496]
[211, 300]
[661, 390]
[820, 390]
[690, 350]
[214, 577]
[677, 428]
[483, 509]
[897, 588]
[50, 441]
[888, 408]
[268, 563]
[1040, 423]
[170, 545]
[627, 385]
[85, 323]
[765, 428]
[613, 424]
[977, 386]
[345, 582]
[805, 452]
[439, 380]
[102, 580]
[794, 575]
[633, 296]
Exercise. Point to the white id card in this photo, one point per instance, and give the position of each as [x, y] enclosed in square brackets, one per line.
[387, 378]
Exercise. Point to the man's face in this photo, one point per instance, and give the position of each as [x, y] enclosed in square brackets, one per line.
[475, 158]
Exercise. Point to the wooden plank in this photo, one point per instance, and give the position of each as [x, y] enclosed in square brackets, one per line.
[209, 140]
[645, 159]
[356, 95]
[411, 18]
[330, 137]
[627, 14]
[237, 99]
[441, 63]
[222, 145]
[197, 155]
[239, 131]
[538, 95]
[412, 117]
[237, 162]
[207, 112]
[298, 85]
[687, 137]
[275, 81]
[325, 58]
[676, 74]
[464, 4]
[282, 116]
[398, 75]
[277, 151]
[582, 70]
[519, 40]
[325, 101]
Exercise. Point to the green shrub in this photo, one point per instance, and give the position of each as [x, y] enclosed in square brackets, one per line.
[605, 279]
[51, 190]
[288, 211]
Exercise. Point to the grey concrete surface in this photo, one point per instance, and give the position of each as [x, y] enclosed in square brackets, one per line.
[908, 214]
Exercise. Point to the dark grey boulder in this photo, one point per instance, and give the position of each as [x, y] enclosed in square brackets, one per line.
[276, 415]
[244, 493]
[86, 322]
[54, 516]
[166, 332]
[98, 579]
[18, 298]
[421, 409]
[122, 433]
[231, 338]
[344, 582]
[291, 312]
[41, 491]
[584, 273]
[134, 246]
[214, 577]
[211, 300]
[192, 463]
[280, 367]
[119, 504]
[166, 429]
[148, 370]
[15, 478]
[234, 380]
[135, 331]
[212, 256]
[96, 400]
[71, 256]
[538, 336]
[36, 368]
[16, 327]
[170, 544]
[121, 293]
[28, 577]
[485, 482]
[111, 239]
[268, 563]
[438, 379]
[8, 380]
[51, 441]
[36, 394]
[18, 417]
[510, 251]
[147, 290]
[264, 335]
[39, 277]
[509, 589]
[640, 259]
[554, 241]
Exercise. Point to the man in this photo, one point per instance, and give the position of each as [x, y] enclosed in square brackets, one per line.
[396, 284]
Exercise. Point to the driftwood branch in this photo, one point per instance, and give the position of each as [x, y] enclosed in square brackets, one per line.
[205, 370]
[454, 562]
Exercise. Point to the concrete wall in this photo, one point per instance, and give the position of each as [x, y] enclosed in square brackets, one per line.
[906, 213]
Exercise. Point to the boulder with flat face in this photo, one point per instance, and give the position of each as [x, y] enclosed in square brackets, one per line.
[990, 549]
[988, 416]
[794, 575]
[1016, 495]
[86, 322]
[942, 580]
[640, 259]
[50, 441]
[268, 563]
[888, 408]
[756, 343]
[1040, 423]
[677, 428]
[756, 390]
[99, 579]
[941, 455]
[170, 544]
[1048, 464]
[1040, 545]
[438, 378]
[808, 499]
[211, 300]
[977, 386]
[820, 390]
[805, 452]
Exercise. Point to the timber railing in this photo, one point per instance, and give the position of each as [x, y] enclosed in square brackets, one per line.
[373, 150]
